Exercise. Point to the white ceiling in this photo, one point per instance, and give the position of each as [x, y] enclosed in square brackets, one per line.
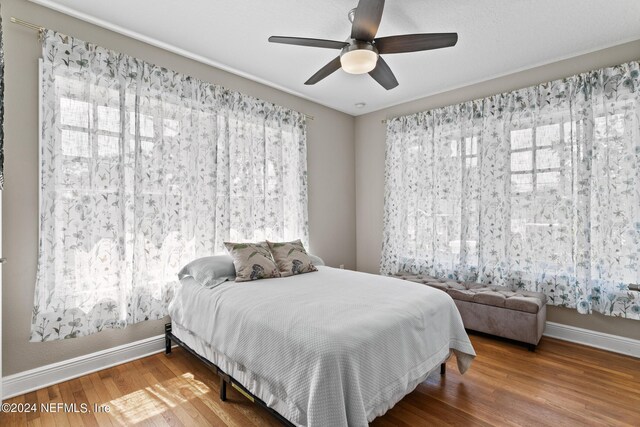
[496, 37]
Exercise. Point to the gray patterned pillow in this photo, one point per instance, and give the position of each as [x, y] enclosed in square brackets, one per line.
[252, 261]
[291, 258]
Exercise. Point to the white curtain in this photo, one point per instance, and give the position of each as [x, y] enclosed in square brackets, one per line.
[537, 189]
[142, 170]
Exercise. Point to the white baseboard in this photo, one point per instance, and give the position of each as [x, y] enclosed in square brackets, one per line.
[614, 343]
[44, 376]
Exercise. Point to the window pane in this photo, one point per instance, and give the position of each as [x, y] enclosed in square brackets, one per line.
[454, 148]
[570, 129]
[108, 146]
[108, 119]
[522, 183]
[547, 180]
[147, 146]
[609, 127]
[522, 161]
[521, 139]
[75, 143]
[471, 161]
[74, 113]
[146, 125]
[616, 124]
[171, 127]
[519, 225]
[75, 174]
[471, 146]
[547, 158]
[548, 135]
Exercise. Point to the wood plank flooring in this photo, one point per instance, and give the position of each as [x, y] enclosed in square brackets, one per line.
[561, 384]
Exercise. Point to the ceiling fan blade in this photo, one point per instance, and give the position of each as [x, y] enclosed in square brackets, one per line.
[325, 71]
[301, 41]
[415, 42]
[367, 19]
[383, 75]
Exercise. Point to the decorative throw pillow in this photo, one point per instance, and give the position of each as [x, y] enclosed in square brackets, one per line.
[291, 258]
[252, 261]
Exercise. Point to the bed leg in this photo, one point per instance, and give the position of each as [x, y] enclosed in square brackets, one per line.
[167, 339]
[443, 368]
[223, 389]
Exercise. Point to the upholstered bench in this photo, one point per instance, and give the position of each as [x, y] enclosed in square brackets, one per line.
[495, 310]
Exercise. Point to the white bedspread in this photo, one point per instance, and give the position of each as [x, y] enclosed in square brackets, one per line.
[335, 347]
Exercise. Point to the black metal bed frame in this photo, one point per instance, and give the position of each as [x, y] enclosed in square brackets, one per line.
[226, 378]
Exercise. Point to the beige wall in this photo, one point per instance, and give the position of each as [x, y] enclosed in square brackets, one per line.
[337, 214]
[370, 146]
[330, 167]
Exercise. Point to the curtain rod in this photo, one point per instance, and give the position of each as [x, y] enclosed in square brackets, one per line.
[479, 99]
[40, 28]
[384, 121]
[27, 24]
[397, 117]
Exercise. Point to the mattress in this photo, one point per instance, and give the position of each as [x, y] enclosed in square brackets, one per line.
[333, 347]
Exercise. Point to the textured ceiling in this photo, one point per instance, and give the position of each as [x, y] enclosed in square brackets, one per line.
[496, 37]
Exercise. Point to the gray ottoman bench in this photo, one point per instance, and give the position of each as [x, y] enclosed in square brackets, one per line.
[495, 310]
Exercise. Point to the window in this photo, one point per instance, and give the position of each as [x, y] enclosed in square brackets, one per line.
[539, 189]
[432, 228]
[536, 158]
[143, 170]
[547, 201]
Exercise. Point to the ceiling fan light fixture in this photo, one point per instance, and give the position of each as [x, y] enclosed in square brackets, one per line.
[359, 58]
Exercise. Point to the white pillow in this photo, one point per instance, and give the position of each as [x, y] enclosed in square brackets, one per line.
[210, 271]
[316, 260]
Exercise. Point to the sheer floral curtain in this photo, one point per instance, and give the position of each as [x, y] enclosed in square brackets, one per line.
[142, 170]
[538, 189]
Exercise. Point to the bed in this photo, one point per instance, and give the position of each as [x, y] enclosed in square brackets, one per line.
[334, 347]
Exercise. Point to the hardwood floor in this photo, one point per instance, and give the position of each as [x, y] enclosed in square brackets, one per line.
[561, 384]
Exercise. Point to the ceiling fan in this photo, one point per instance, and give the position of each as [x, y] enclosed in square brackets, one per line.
[360, 53]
